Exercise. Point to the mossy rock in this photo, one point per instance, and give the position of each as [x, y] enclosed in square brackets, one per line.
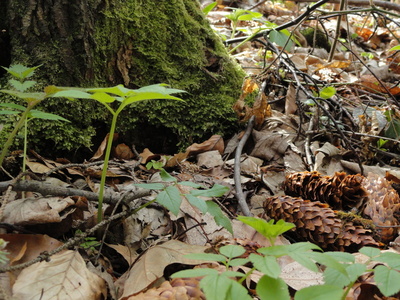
[135, 43]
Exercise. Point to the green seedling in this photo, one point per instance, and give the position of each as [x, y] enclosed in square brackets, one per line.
[171, 197]
[124, 97]
[241, 15]
[153, 164]
[20, 86]
[89, 243]
[340, 270]
[209, 7]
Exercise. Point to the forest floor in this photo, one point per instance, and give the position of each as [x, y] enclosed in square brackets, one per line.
[319, 149]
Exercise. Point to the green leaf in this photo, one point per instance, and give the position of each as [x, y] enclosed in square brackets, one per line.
[20, 71]
[267, 229]
[214, 210]
[148, 96]
[266, 264]
[216, 287]
[237, 291]
[238, 262]
[199, 203]
[390, 258]
[74, 94]
[216, 191]
[46, 116]
[159, 88]
[103, 97]
[326, 260]
[393, 130]
[232, 251]
[355, 270]
[320, 292]
[327, 92]
[334, 277]
[13, 105]
[276, 251]
[387, 280]
[9, 112]
[191, 184]
[281, 39]
[341, 256]
[118, 90]
[165, 176]
[206, 257]
[171, 199]
[233, 274]
[209, 8]
[21, 86]
[194, 273]
[27, 96]
[395, 48]
[150, 186]
[272, 288]
[370, 251]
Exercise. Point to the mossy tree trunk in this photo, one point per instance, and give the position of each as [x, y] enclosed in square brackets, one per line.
[130, 42]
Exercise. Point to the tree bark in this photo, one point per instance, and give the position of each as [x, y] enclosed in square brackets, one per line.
[130, 42]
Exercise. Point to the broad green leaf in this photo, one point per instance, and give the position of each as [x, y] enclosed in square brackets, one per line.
[209, 7]
[266, 264]
[118, 90]
[20, 71]
[216, 191]
[320, 292]
[148, 96]
[206, 257]
[276, 251]
[370, 251]
[171, 199]
[355, 270]
[327, 92]
[150, 186]
[165, 176]
[326, 260]
[232, 251]
[22, 86]
[103, 97]
[267, 229]
[194, 273]
[13, 105]
[334, 277]
[214, 210]
[46, 116]
[390, 258]
[387, 280]
[9, 112]
[216, 287]
[199, 203]
[74, 94]
[232, 274]
[341, 256]
[395, 48]
[281, 39]
[237, 291]
[27, 96]
[273, 288]
[393, 130]
[238, 262]
[191, 184]
[159, 88]
[301, 253]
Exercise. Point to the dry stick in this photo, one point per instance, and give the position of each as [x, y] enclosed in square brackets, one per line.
[337, 33]
[238, 183]
[383, 4]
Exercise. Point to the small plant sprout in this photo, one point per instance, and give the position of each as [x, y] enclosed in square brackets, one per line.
[124, 97]
[20, 86]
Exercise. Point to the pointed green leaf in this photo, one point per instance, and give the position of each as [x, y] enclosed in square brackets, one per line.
[334, 277]
[267, 229]
[232, 251]
[46, 116]
[75, 94]
[214, 210]
[281, 39]
[148, 96]
[272, 288]
[159, 88]
[216, 191]
[341, 256]
[27, 96]
[13, 105]
[150, 186]
[191, 184]
[216, 287]
[237, 291]
[370, 251]
[326, 260]
[118, 90]
[395, 48]
[320, 292]
[266, 264]
[171, 199]
[390, 258]
[199, 203]
[167, 177]
[209, 7]
[238, 262]
[9, 112]
[206, 257]
[20, 71]
[103, 97]
[22, 86]
[327, 92]
[387, 280]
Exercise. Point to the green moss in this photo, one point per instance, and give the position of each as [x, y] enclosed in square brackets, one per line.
[138, 43]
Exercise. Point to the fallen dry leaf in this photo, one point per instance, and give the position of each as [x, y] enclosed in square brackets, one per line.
[123, 151]
[215, 142]
[65, 277]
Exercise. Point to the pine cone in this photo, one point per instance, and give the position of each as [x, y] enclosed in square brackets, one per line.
[340, 191]
[319, 224]
[177, 288]
[383, 206]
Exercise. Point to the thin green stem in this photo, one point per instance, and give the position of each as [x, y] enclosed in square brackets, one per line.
[105, 167]
[17, 127]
